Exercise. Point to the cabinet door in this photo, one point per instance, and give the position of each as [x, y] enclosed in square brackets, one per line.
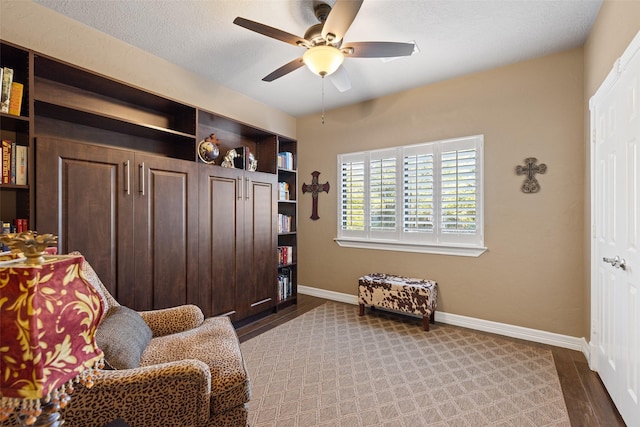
[83, 195]
[257, 289]
[166, 232]
[221, 216]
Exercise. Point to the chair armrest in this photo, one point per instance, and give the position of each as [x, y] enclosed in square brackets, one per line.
[174, 394]
[173, 320]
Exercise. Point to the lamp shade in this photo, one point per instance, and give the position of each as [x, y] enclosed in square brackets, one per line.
[323, 60]
[48, 317]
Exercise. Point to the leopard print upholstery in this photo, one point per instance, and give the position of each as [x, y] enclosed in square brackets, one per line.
[214, 342]
[173, 395]
[191, 374]
[399, 293]
[173, 320]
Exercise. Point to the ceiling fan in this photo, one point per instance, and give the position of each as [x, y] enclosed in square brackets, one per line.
[323, 41]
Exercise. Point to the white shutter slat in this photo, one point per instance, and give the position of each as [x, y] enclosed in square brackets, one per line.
[382, 194]
[352, 185]
[418, 193]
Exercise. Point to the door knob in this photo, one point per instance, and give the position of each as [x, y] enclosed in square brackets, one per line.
[616, 262]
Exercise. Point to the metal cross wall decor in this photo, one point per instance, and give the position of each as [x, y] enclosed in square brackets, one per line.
[314, 188]
[530, 184]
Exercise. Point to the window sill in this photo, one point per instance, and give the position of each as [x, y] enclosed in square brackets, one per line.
[456, 250]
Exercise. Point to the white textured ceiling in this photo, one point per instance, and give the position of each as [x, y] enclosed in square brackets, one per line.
[454, 37]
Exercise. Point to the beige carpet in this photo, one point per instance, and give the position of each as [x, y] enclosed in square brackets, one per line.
[330, 367]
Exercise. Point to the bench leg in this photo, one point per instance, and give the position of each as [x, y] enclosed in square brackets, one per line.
[432, 318]
[361, 310]
[425, 323]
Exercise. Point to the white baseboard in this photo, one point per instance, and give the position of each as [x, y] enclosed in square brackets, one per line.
[535, 335]
[330, 295]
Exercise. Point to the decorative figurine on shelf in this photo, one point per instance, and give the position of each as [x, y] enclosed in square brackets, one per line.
[252, 164]
[240, 158]
[228, 161]
[208, 150]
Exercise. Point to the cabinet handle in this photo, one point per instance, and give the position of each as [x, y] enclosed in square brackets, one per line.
[127, 178]
[141, 171]
[262, 301]
[239, 184]
[247, 195]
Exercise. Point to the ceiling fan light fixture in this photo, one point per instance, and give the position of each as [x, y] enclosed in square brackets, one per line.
[323, 60]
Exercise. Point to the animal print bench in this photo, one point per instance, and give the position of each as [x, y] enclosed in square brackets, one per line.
[399, 293]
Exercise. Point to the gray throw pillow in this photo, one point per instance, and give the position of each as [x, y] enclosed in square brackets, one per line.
[123, 336]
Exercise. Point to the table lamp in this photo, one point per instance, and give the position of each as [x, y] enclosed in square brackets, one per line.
[48, 317]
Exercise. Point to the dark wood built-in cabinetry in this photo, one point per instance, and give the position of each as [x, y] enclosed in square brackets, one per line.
[238, 244]
[117, 177]
[134, 215]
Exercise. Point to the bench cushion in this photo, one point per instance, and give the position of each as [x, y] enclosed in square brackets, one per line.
[400, 293]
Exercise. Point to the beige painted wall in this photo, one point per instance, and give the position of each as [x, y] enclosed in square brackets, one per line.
[617, 24]
[36, 27]
[536, 271]
[533, 273]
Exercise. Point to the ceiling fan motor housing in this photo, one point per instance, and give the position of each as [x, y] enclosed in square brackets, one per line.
[314, 35]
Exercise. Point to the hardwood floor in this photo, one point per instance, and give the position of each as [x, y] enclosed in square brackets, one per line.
[587, 400]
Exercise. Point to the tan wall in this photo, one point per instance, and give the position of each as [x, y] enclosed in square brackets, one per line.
[36, 27]
[536, 271]
[533, 273]
[617, 24]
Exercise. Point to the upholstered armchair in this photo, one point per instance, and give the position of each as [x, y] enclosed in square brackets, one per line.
[190, 370]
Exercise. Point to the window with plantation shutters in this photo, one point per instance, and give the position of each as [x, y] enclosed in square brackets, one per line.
[417, 198]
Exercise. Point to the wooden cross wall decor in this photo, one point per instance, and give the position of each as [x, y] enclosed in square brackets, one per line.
[530, 184]
[314, 188]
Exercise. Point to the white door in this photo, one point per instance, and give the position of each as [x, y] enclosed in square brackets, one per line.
[615, 250]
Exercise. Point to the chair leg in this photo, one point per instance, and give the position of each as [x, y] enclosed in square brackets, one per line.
[432, 318]
[361, 310]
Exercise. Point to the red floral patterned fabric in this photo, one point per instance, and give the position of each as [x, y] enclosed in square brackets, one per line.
[48, 318]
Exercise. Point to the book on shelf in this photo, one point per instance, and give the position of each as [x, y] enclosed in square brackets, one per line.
[285, 284]
[285, 160]
[283, 191]
[285, 255]
[5, 92]
[6, 161]
[285, 223]
[21, 164]
[12, 166]
[15, 98]
[13, 161]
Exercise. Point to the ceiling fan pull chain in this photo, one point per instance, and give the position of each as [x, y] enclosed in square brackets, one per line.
[322, 99]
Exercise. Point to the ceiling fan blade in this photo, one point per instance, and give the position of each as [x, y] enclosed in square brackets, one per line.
[268, 31]
[339, 20]
[340, 79]
[377, 49]
[285, 69]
